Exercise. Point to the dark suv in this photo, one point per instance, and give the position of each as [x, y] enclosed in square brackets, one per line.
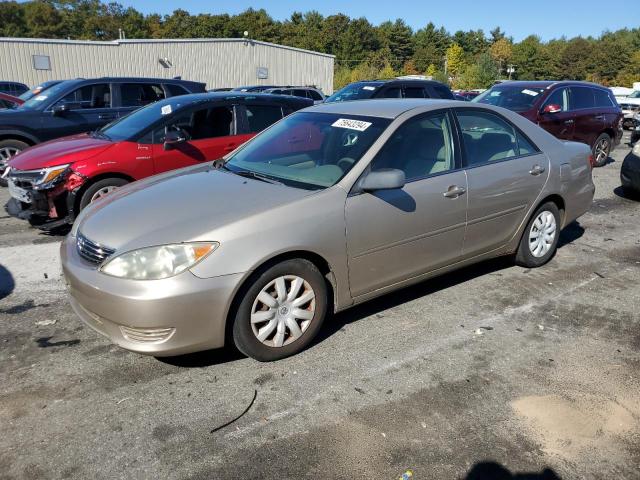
[77, 106]
[397, 88]
[579, 111]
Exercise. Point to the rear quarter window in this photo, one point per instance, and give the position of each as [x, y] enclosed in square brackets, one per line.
[602, 98]
[442, 92]
[175, 90]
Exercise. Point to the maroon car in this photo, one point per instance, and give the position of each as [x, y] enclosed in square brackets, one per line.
[579, 111]
[9, 101]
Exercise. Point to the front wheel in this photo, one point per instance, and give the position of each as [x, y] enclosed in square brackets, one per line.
[100, 189]
[8, 149]
[601, 150]
[281, 311]
[540, 239]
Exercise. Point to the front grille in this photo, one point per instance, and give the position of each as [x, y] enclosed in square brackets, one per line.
[91, 251]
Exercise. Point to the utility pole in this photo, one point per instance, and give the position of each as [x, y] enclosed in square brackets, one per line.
[511, 69]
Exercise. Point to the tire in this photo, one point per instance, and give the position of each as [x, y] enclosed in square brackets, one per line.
[268, 320]
[101, 185]
[9, 148]
[601, 150]
[531, 254]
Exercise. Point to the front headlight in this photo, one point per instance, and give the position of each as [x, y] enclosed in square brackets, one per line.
[156, 263]
[50, 175]
[636, 149]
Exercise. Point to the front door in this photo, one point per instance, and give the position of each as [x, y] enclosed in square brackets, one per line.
[395, 235]
[89, 108]
[560, 121]
[505, 174]
[209, 132]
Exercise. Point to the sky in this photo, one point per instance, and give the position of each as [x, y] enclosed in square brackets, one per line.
[546, 18]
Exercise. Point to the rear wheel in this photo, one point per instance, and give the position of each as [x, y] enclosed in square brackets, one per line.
[540, 239]
[9, 148]
[281, 311]
[601, 150]
[100, 189]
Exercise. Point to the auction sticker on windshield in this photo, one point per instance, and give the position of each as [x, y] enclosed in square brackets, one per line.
[166, 110]
[358, 125]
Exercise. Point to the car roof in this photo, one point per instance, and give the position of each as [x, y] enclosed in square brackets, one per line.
[242, 96]
[545, 83]
[384, 108]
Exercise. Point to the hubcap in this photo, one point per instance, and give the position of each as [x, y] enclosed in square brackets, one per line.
[102, 192]
[602, 150]
[6, 153]
[283, 310]
[542, 234]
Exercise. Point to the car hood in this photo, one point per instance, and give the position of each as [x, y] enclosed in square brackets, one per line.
[180, 206]
[57, 152]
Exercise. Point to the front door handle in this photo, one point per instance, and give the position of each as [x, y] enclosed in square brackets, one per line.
[568, 122]
[106, 116]
[536, 170]
[454, 191]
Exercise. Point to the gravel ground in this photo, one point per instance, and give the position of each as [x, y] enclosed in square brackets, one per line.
[549, 387]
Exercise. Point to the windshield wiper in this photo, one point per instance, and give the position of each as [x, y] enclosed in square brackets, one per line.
[255, 176]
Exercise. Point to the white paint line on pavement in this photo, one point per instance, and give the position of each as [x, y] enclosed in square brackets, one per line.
[28, 265]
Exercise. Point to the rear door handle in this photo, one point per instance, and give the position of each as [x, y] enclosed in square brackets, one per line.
[599, 117]
[454, 191]
[536, 170]
[106, 116]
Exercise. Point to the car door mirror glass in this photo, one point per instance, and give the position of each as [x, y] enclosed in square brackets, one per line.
[62, 108]
[383, 179]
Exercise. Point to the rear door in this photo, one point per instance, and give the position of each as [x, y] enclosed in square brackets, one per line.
[505, 173]
[561, 122]
[210, 131]
[414, 92]
[589, 121]
[89, 108]
[131, 96]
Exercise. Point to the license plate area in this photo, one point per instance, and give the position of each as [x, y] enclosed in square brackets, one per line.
[19, 193]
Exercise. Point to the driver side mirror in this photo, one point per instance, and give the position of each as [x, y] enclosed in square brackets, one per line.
[552, 108]
[383, 179]
[173, 138]
[62, 108]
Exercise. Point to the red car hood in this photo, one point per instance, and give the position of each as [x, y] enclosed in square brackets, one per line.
[57, 152]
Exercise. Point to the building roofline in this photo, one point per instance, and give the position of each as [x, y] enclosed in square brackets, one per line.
[115, 43]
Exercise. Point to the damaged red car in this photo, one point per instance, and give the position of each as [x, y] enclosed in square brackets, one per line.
[51, 182]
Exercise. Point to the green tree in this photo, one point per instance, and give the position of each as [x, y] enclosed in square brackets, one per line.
[529, 59]
[397, 37]
[12, 21]
[501, 51]
[455, 60]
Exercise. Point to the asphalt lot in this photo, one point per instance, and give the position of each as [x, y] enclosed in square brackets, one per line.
[551, 381]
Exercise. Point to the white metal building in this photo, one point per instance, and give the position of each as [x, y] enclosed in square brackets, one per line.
[218, 62]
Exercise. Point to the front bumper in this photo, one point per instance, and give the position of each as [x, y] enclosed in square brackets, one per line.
[46, 209]
[174, 316]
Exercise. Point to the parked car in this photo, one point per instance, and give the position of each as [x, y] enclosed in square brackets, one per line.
[305, 92]
[397, 88]
[635, 133]
[579, 111]
[253, 88]
[630, 106]
[9, 101]
[38, 89]
[467, 94]
[221, 89]
[13, 88]
[330, 207]
[52, 182]
[76, 106]
[630, 171]
[460, 98]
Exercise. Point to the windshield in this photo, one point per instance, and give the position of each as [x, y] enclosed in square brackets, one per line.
[51, 92]
[129, 126]
[355, 91]
[36, 90]
[309, 150]
[518, 99]
[635, 94]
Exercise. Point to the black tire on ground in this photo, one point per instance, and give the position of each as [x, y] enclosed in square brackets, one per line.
[604, 142]
[524, 255]
[11, 144]
[96, 187]
[243, 335]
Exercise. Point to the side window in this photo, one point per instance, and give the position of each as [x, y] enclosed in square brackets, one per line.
[181, 123]
[175, 90]
[581, 97]
[559, 97]
[90, 96]
[525, 147]
[602, 98]
[393, 92]
[315, 95]
[140, 94]
[442, 91]
[300, 93]
[421, 146]
[260, 117]
[212, 123]
[487, 137]
[414, 92]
